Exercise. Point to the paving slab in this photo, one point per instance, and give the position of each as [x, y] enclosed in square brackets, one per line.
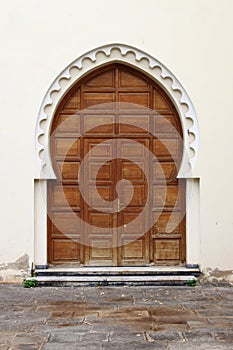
[59, 346]
[124, 318]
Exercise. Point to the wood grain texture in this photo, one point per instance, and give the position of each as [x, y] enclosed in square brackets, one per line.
[117, 96]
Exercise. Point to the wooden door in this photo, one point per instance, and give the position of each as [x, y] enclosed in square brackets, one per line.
[125, 113]
[122, 244]
[99, 212]
[133, 242]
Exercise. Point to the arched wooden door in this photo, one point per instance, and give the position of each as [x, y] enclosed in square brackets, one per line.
[123, 125]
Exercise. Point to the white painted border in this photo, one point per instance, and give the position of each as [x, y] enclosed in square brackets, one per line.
[135, 58]
[40, 222]
[193, 237]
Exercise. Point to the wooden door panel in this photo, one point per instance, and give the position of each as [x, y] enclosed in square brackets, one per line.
[132, 149]
[101, 247]
[64, 224]
[133, 171]
[164, 172]
[101, 253]
[165, 125]
[167, 249]
[98, 100]
[100, 192]
[131, 124]
[134, 100]
[100, 220]
[66, 197]
[100, 250]
[99, 124]
[100, 148]
[68, 171]
[133, 250]
[136, 227]
[101, 81]
[134, 244]
[65, 250]
[129, 80]
[67, 148]
[68, 123]
[73, 103]
[165, 197]
[160, 102]
[166, 149]
[138, 197]
[167, 223]
[100, 172]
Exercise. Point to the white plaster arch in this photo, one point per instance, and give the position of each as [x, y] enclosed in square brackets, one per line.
[135, 58]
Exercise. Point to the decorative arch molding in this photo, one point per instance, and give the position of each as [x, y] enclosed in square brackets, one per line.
[137, 59]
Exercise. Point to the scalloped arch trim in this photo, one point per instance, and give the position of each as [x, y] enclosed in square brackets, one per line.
[138, 59]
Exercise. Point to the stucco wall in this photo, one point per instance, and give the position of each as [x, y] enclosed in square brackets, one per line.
[192, 38]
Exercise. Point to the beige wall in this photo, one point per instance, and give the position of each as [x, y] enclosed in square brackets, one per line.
[192, 38]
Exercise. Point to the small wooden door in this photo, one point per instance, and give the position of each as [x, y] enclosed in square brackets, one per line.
[127, 133]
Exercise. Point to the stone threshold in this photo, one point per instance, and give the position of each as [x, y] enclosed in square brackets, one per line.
[114, 280]
[100, 276]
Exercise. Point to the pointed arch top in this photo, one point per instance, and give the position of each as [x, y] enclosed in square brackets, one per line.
[135, 58]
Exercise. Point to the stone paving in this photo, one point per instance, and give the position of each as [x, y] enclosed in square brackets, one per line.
[127, 318]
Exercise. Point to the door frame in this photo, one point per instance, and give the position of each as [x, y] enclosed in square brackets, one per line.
[158, 72]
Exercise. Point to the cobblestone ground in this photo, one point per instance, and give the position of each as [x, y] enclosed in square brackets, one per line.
[116, 318]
